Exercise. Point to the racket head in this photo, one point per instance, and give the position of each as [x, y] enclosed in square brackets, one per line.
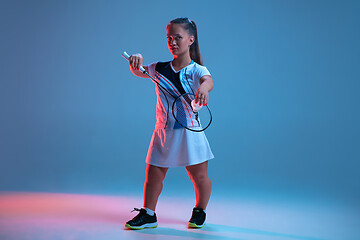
[183, 113]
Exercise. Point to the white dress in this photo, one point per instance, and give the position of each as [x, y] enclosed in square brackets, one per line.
[170, 145]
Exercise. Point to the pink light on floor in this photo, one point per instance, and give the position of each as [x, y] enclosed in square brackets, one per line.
[65, 206]
[36, 215]
[43, 216]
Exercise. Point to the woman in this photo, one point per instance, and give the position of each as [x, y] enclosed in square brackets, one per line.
[172, 145]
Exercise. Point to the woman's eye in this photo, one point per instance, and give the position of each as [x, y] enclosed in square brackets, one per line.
[170, 38]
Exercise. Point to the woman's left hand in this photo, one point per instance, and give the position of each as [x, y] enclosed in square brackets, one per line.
[202, 95]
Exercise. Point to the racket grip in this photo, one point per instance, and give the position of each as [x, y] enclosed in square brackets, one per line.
[127, 56]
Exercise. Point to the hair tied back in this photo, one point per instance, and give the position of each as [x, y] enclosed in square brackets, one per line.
[192, 30]
[190, 21]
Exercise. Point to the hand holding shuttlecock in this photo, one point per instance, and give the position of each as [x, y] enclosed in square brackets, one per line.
[195, 106]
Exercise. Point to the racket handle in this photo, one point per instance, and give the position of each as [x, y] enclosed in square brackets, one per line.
[127, 56]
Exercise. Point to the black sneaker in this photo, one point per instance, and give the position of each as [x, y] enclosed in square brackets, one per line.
[142, 220]
[197, 219]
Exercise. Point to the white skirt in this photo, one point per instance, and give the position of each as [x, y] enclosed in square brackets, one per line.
[178, 148]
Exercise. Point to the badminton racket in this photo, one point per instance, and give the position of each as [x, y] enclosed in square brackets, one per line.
[186, 112]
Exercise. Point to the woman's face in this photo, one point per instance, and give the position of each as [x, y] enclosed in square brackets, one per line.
[178, 39]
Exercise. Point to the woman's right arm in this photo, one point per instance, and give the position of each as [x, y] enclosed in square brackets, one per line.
[135, 62]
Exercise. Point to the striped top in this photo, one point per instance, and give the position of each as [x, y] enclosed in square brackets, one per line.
[178, 82]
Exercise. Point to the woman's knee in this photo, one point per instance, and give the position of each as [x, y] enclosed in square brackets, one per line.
[155, 174]
[200, 178]
[198, 173]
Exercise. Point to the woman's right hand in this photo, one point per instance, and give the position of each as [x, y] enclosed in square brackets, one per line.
[136, 61]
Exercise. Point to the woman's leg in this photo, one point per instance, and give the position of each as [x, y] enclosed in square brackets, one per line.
[153, 185]
[199, 176]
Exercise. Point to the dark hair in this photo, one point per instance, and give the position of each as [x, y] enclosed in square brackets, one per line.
[190, 26]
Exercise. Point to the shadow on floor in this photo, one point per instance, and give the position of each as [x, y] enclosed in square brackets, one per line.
[210, 232]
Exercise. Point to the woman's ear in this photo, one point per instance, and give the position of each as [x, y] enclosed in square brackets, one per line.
[192, 40]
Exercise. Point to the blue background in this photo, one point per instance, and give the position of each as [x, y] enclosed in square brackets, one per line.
[285, 102]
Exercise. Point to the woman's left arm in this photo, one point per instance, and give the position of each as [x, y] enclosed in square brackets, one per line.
[202, 94]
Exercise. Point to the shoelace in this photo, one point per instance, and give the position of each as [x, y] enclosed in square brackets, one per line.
[197, 214]
[198, 211]
[139, 216]
[136, 209]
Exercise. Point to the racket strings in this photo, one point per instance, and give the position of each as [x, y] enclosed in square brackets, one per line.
[184, 114]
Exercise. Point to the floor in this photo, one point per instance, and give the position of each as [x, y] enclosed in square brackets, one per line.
[40, 216]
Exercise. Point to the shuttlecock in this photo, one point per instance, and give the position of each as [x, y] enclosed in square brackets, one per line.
[195, 106]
